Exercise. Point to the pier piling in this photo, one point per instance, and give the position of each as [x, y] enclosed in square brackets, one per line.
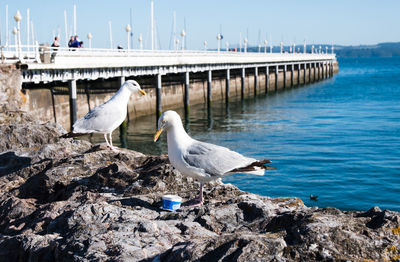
[255, 80]
[186, 95]
[209, 86]
[158, 97]
[315, 71]
[266, 79]
[72, 102]
[291, 75]
[319, 71]
[276, 77]
[298, 74]
[243, 78]
[121, 80]
[228, 77]
[284, 75]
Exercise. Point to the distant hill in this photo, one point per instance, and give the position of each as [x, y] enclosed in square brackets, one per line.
[378, 50]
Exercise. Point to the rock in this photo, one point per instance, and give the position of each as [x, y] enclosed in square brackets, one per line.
[69, 200]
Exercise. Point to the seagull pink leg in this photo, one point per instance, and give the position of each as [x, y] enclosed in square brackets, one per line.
[198, 201]
[105, 137]
[113, 148]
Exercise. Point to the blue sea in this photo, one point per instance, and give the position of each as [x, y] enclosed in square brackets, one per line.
[338, 139]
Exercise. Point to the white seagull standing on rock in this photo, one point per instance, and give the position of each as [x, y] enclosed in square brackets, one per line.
[105, 118]
[203, 161]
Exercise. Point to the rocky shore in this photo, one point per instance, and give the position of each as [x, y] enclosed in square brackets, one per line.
[69, 200]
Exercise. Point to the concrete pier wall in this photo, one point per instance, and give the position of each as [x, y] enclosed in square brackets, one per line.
[54, 106]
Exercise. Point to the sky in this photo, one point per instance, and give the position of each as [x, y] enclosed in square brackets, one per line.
[342, 22]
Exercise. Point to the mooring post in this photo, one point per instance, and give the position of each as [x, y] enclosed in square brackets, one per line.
[255, 80]
[276, 77]
[72, 102]
[209, 86]
[243, 83]
[228, 76]
[158, 97]
[186, 95]
[291, 75]
[284, 75]
[266, 79]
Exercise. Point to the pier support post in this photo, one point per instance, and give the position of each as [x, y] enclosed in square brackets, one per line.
[309, 73]
[304, 76]
[326, 70]
[291, 75]
[228, 77]
[209, 85]
[121, 80]
[186, 95]
[255, 80]
[276, 77]
[298, 73]
[315, 71]
[284, 75]
[158, 97]
[243, 83]
[323, 70]
[266, 79]
[331, 68]
[72, 102]
[319, 71]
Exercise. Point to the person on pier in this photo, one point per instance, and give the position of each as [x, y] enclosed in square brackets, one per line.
[55, 45]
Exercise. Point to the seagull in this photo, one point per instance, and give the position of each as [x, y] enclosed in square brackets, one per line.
[313, 197]
[105, 118]
[203, 161]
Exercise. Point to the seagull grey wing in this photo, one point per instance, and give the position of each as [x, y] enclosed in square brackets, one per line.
[100, 119]
[214, 160]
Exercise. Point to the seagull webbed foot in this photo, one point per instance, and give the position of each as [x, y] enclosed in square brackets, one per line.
[196, 202]
[113, 148]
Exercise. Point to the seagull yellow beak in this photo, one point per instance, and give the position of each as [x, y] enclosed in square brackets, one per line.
[157, 134]
[142, 92]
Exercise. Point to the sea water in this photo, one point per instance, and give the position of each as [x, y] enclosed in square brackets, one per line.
[338, 138]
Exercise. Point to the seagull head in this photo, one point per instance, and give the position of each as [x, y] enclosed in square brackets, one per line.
[166, 121]
[134, 86]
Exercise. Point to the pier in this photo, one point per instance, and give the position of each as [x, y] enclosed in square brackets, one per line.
[171, 78]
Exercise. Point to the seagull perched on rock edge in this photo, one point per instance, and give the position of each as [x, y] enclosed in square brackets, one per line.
[203, 161]
[105, 118]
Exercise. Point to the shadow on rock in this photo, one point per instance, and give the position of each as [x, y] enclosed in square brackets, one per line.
[10, 162]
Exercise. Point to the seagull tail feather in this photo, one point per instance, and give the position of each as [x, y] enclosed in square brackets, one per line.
[255, 168]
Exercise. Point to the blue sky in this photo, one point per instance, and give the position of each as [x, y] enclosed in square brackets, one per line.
[346, 22]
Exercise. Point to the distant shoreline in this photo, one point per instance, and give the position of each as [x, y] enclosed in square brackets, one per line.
[378, 50]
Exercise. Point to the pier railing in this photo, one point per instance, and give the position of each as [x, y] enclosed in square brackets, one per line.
[41, 56]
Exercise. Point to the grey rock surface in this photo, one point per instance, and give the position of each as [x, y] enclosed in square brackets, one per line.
[69, 200]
